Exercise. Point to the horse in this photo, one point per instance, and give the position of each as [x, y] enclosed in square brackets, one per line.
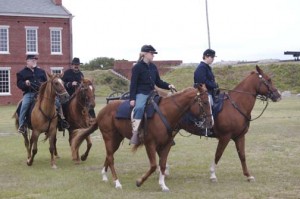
[77, 112]
[44, 117]
[157, 138]
[232, 122]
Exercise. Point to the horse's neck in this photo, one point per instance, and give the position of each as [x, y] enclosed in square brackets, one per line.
[47, 102]
[174, 107]
[77, 113]
[244, 95]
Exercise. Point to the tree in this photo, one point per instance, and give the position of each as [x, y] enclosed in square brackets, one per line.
[100, 63]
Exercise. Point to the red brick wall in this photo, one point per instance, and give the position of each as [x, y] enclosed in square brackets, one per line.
[124, 67]
[17, 48]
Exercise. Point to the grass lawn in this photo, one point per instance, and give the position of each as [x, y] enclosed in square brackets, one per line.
[272, 149]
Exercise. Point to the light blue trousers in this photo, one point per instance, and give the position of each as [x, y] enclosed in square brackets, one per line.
[26, 101]
[139, 107]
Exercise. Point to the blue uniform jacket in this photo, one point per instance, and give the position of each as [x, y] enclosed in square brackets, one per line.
[204, 75]
[144, 78]
[69, 76]
[36, 78]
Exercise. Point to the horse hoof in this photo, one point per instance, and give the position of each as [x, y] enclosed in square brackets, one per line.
[251, 179]
[54, 166]
[76, 162]
[29, 163]
[214, 180]
[166, 189]
[138, 183]
[83, 158]
[104, 179]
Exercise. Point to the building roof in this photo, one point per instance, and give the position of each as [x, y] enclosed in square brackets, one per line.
[38, 8]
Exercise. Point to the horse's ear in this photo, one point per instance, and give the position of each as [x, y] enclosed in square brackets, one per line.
[260, 71]
[49, 75]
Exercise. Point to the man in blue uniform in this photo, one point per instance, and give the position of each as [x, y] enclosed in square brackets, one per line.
[72, 78]
[204, 75]
[29, 80]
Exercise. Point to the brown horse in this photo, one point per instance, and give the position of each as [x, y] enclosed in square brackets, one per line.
[44, 117]
[156, 139]
[77, 112]
[234, 119]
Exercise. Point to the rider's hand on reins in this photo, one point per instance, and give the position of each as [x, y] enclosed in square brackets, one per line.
[172, 88]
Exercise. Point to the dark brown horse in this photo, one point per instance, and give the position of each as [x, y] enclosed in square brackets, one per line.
[44, 117]
[77, 112]
[156, 140]
[234, 119]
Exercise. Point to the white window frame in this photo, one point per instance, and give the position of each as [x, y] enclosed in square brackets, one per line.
[7, 40]
[27, 28]
[9, 87]
[56, 68]
[53, 44]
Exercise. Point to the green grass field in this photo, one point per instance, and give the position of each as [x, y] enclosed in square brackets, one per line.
[272, 148]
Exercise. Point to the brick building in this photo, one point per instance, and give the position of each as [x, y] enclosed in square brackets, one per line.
[40, 27]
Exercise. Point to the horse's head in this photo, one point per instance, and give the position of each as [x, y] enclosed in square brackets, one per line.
[58, 86]
[266, 87]
[87, 93]
[202, 108]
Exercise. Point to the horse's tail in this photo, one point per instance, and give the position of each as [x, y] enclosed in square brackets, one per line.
[136, 146]
[82, 134]
[16, 117]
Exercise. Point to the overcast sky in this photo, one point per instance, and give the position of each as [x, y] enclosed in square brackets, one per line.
[239, 29]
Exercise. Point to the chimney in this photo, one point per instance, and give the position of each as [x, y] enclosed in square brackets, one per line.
[57, 2]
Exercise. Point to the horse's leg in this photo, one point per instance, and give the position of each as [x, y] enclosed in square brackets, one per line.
[104, 171]
[33, 146]
[55, 148]
[52, 140]
[26, 142]
[88, 147]
[240, 148]
[112, 144]
[163, 155]
[222, 144]
[74, 147]
[151, 152]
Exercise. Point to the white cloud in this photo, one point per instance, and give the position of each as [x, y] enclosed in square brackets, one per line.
[240, 30]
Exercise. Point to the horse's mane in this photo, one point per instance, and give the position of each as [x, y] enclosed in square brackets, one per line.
[42, 91]
[182, 91]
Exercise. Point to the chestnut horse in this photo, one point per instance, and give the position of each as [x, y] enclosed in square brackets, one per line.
[156, 139]
[44, 117]
[234, 119]
[77, 111]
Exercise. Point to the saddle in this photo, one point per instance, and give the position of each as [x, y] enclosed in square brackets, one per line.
[28, 112]
[124, 110]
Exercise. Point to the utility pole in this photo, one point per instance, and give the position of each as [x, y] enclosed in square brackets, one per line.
[207, 23]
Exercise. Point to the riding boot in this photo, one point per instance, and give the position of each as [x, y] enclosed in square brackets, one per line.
[63, 123]
[135, 126]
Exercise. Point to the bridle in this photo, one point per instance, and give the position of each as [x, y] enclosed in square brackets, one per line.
[202, 115]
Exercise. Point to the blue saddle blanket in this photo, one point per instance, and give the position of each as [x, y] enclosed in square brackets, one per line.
[124, 110]
[218, 104]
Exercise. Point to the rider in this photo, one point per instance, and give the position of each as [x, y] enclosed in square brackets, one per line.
[204, 74]
[29, 80]
[143, 79]
[72, 78]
